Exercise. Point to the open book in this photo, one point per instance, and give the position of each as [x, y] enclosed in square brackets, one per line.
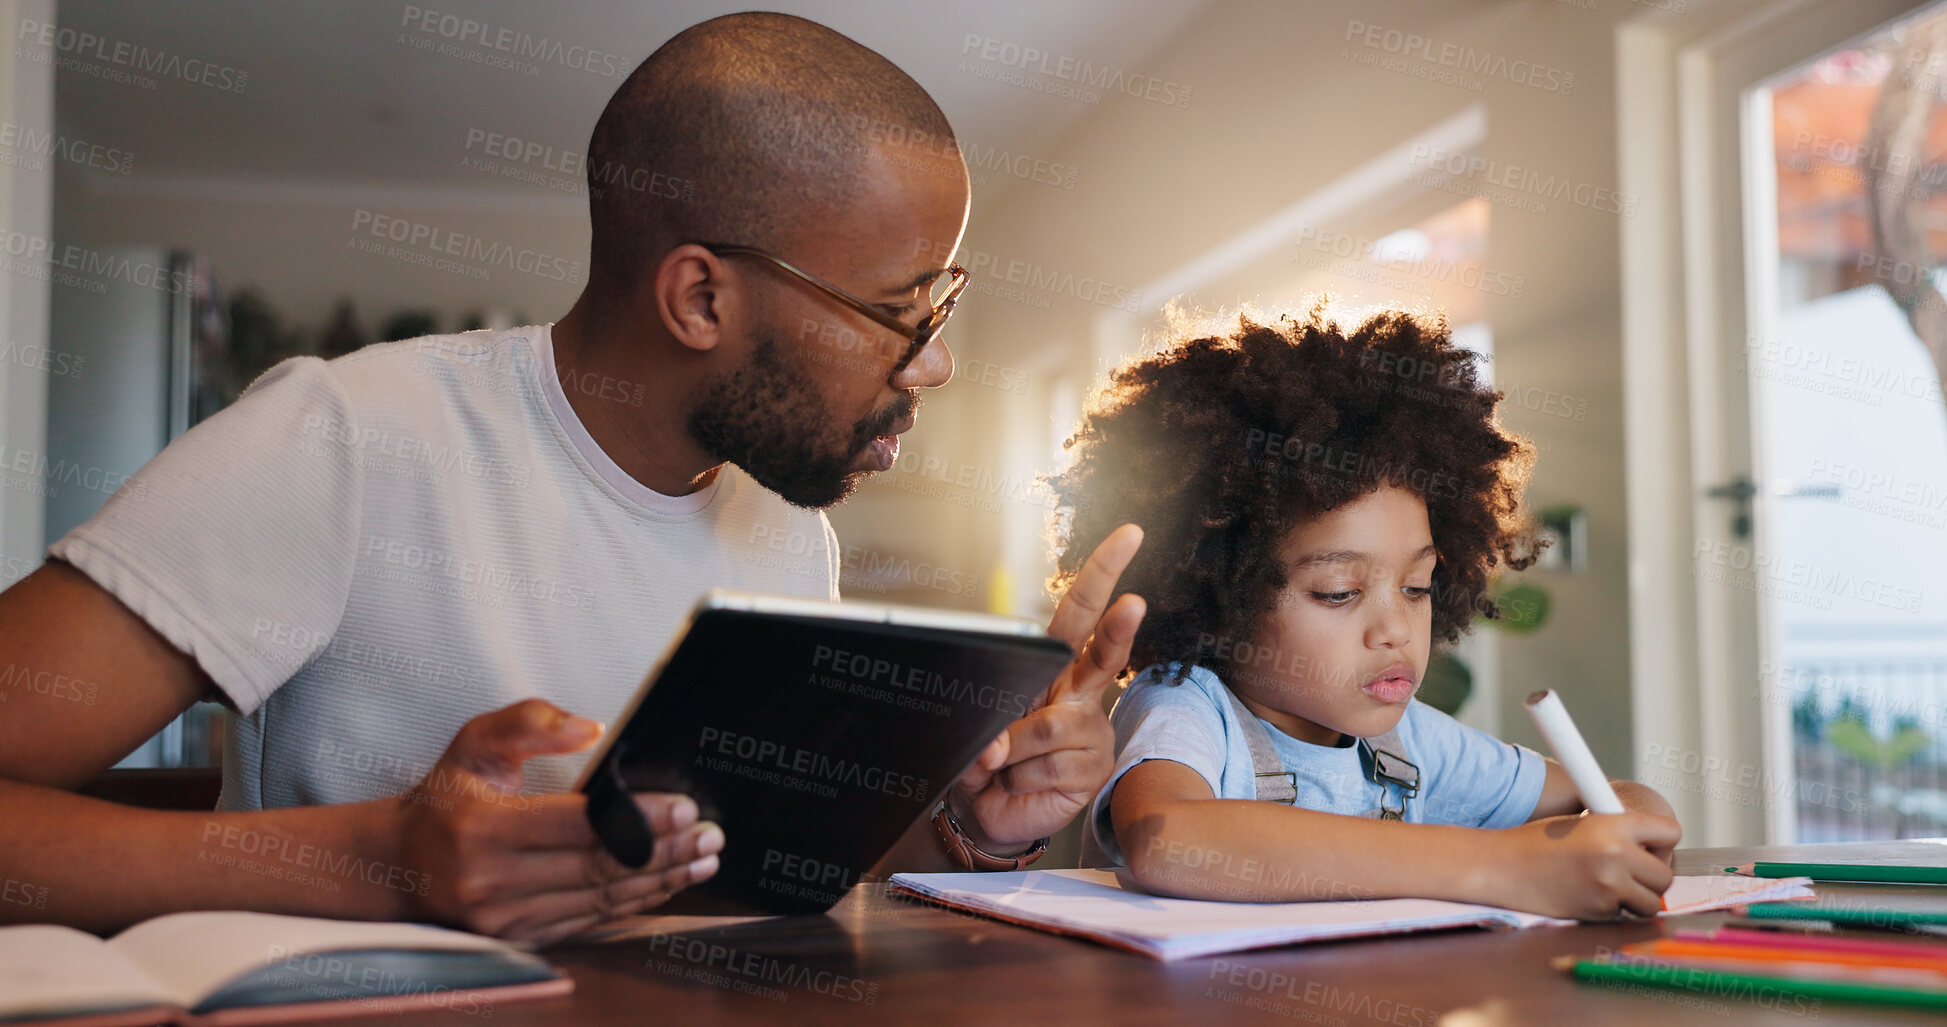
[1111, 908]
[211, 969]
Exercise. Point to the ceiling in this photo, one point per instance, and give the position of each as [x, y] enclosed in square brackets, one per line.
[339, 94]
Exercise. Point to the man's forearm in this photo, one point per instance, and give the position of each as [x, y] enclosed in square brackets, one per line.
[100, 867]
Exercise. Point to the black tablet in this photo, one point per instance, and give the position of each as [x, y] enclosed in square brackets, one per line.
[816, 733]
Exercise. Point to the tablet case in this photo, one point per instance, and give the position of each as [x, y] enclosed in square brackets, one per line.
[815, 742]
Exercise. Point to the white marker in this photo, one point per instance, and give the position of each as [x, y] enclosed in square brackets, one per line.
[1573, 753]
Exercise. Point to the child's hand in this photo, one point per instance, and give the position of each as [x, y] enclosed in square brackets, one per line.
[1587, 867]
[1644, 799]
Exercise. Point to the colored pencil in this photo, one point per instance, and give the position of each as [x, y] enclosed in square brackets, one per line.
[1869, 916]
[1815, 942]
[1690, 978]
[1870, 873]
[1687, 948]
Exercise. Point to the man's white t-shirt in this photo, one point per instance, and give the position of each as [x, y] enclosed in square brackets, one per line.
[366, 553]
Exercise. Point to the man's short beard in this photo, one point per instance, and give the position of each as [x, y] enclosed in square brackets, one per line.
[774, 425]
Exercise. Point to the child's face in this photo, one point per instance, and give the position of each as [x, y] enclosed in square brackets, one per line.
[1346, 645]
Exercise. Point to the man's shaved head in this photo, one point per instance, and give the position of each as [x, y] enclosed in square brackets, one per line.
[758, 124]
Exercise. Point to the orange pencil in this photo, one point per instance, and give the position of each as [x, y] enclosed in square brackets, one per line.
[1785, 940]
[1684, 948]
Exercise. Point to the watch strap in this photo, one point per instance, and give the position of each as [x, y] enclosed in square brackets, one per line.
[964, 852]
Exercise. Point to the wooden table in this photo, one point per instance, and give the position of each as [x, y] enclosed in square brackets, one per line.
[878, 960]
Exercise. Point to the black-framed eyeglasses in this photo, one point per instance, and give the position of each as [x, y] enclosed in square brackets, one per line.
[916, 336]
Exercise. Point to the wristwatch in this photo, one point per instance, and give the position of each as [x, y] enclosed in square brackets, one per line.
[964, 852]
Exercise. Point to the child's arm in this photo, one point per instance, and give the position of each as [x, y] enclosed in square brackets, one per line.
[1559, 798]
[1179, 840]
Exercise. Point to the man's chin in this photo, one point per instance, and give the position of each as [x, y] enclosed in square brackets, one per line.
[814, 483]
[877, 456]
[811, 494]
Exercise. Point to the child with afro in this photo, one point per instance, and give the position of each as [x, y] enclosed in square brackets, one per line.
[1321, 508]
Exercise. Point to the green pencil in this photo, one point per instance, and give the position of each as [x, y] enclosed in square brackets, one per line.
[1869, 916]
[1845, 872]
[1742, 985]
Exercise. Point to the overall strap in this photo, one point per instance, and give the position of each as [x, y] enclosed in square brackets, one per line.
[1274, 782]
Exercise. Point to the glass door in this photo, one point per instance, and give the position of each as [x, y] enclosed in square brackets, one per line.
[1849, 451]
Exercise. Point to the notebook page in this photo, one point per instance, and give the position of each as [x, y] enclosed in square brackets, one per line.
[48, 970]
[194, 954]
[1110, 907]
[1720, 891]
[1101, 904]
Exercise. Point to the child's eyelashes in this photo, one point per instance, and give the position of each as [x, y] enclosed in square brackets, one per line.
[1417, 593]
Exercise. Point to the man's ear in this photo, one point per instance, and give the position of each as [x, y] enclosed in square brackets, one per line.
[692, 296]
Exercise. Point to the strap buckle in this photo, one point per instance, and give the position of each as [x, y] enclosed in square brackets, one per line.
[1290, 783]
[1388, 768]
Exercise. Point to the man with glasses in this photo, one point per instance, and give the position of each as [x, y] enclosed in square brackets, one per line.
[419, 570]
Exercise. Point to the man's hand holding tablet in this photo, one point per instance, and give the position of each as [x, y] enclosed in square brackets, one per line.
[525, 866]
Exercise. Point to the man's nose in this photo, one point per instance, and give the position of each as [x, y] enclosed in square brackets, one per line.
[931, 368]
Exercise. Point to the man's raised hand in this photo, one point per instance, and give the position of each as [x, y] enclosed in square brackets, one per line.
[1048, 765]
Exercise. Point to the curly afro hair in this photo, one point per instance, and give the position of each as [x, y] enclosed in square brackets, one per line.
[1218, 446]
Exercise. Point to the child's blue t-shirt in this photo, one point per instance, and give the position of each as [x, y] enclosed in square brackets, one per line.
[1467, 776]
